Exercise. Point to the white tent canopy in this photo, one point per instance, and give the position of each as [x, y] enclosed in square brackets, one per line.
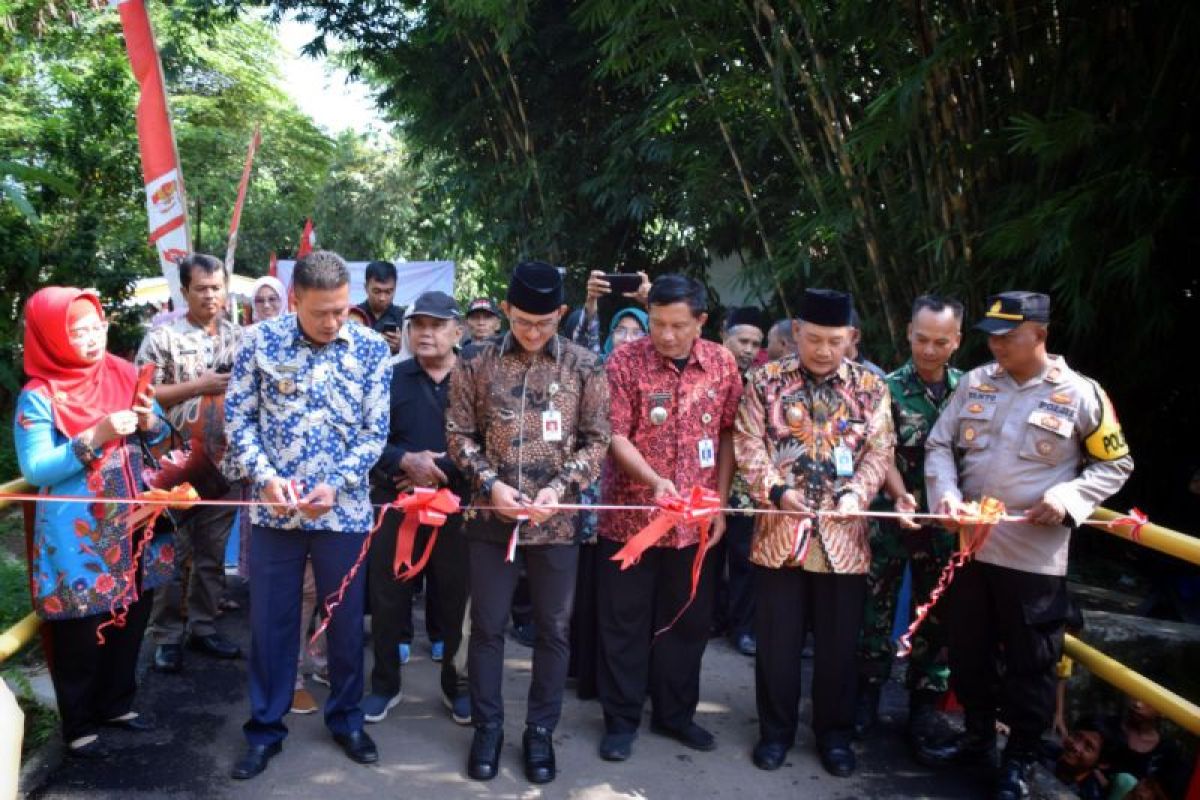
[413, 279]
[154, 291]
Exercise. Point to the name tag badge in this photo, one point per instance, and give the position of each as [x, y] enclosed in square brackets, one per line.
[843, 461]
[552, 426]
[708, 454]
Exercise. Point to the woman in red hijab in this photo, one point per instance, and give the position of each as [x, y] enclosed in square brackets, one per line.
[75, 437]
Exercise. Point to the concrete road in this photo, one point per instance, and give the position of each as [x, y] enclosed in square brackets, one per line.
[423, 753]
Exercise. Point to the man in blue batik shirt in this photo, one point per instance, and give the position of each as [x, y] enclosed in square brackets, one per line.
[306, 414]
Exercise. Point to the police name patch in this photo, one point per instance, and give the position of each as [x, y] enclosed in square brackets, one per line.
[977, 395]
[1066, 412]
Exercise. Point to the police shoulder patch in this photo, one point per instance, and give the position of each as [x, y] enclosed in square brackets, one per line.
[1107, 442]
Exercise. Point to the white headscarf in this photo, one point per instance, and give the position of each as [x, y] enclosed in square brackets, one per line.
[276, 286]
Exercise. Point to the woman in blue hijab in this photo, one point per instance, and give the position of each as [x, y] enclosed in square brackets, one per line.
[628, 325]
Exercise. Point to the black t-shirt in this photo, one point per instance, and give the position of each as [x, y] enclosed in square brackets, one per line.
[394, 315]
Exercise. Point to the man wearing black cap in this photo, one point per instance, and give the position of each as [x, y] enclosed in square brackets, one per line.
[415, 456]
[483, 319]
[528, 424]
[813, 434]
[1031, 432]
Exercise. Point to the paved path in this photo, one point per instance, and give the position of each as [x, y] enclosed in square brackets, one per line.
[423, 753]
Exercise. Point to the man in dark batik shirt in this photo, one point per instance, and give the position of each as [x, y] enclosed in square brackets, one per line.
[528, 425]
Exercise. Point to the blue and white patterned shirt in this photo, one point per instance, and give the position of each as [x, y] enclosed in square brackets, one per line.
[309, 413]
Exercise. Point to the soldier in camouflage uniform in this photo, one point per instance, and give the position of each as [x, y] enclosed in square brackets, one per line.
[919, 390]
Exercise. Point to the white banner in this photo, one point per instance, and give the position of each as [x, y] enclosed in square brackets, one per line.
[413, 278]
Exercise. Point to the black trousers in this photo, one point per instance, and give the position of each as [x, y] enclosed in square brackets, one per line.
[739, 530]
[1006, 634]
[790, 602]
[391, 602]
[632, 605]
[95, 682]
[584, 644]
[551, 570]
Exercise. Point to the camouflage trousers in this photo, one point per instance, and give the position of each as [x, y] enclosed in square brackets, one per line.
[927, 552]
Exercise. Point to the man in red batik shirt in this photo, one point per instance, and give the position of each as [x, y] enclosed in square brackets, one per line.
[674, 397]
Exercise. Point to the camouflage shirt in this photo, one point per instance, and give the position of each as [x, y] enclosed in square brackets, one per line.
[915, 408]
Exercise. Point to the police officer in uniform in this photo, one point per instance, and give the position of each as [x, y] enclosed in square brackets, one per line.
[1031, 432]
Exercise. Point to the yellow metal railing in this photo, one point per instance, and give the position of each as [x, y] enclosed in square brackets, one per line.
[19, 635]
[1156, 537]
[19, 486]
[1179, 710]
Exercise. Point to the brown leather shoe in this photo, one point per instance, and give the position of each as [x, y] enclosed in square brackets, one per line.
[303, 702]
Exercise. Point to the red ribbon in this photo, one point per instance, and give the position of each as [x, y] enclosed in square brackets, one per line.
[421, 506]
[700, 506]
[974, 529]
[1136, 520]
[432, 507]
[137, 519]
[334, 600]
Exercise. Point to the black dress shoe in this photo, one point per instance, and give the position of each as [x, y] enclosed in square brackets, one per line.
[92, 751]
[254, 760]
[168, 658]
[692, 736]
[770, 755]
[617, 746]
[134, 723]
[215, 645]
[838, 761]
[358, 745]
[538, 745]
[484, 758]
[965, 749]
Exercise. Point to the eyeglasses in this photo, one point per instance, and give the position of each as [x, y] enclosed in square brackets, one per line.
[626, 335]
[544, 326]
[266, 301]
[86, 332]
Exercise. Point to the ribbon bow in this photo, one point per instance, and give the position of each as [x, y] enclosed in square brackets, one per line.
[421, 506]
[974, 528]
[701, 505]
[1135, 519]
[142, 518]
[432, 508]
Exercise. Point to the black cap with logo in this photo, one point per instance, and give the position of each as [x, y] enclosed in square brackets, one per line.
[438, 305]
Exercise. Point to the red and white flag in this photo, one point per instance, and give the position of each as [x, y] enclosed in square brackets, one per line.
[273, 266]
[166, 202]
[308, 240]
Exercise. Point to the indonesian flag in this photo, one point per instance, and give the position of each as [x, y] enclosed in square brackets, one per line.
[166, 202]
[308, 240]
[273, 267]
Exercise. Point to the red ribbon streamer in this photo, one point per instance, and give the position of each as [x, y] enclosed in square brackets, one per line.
[137, 519]
[421, 506]
[974, 529]
[700, 506]
[1136, 520]
[334, 600]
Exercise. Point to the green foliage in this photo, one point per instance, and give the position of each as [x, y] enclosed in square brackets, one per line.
[886, 148]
